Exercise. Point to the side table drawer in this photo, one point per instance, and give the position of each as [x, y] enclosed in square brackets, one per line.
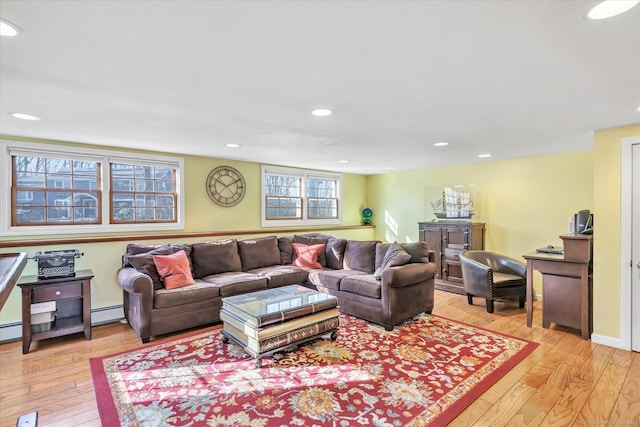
[53, 293]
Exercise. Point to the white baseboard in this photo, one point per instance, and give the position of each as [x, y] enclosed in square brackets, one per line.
[608, 341]
[100, 316]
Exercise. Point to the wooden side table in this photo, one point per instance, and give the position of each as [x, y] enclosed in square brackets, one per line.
[73, 305]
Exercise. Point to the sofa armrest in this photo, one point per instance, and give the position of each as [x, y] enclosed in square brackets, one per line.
[408, 274]
[133, 281]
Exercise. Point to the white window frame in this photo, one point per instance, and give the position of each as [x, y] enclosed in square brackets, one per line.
[9, 148]
[304, 175]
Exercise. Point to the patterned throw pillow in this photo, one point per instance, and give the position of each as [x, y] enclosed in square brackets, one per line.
[307, 255]
[174, 270]
[312, 240]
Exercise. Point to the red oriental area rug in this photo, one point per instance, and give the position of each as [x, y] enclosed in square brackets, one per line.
[423, 373]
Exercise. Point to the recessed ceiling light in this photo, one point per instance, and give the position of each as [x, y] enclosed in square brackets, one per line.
[484, 155]
[233, 145]
[609, 8]
[24, 116]
[7, 29]
[343, 161]
[390, 167]
[441, 144]
[322, 112]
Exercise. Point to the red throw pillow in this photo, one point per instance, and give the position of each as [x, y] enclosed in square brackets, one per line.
[174, 270]
[307, 255]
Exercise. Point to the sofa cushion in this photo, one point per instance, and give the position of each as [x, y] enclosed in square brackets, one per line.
[135, 249]
[174, 270]
[215, 257]
[256, 253]
[360, 255]
[143, 262]
[334, 252]
[394, 256]
[281, 275]
[330, 278]
[285, 244]
[365, 285]
[307, 255]
[186, 247]
[501, 280]
[233, 283]
[381, 251]
[419, 251]
[199, 291]
[312, 240]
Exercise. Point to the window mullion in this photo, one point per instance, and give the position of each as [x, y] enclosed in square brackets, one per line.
[303, 190]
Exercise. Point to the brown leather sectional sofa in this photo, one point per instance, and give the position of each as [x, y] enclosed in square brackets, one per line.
[229, 267]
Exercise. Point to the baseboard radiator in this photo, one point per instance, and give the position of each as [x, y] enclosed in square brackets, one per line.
[13, 331]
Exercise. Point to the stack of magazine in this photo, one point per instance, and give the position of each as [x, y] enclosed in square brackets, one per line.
[267, 332]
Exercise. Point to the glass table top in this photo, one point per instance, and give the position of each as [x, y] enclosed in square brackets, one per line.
[277, 300]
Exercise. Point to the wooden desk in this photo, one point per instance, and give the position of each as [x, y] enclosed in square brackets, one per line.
[566, 290]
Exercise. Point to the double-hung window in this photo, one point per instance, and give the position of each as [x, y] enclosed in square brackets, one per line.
[61, 189]
[296, 197]
[54, 190]
[142, 193]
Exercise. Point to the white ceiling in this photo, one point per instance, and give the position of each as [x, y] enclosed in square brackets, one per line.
[510, 78]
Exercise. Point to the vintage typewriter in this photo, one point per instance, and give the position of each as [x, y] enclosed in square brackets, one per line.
[53, 264]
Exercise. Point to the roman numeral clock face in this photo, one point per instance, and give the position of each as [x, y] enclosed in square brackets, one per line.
[225, 186]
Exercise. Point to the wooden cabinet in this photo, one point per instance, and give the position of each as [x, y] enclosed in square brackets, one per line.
[72, 296]
[447, 239]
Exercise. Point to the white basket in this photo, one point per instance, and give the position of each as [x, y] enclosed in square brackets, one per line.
[42, 322]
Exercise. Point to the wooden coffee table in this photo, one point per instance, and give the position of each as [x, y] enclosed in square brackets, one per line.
[274, 320]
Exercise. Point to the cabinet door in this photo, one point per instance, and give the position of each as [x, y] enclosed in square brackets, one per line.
[432, 234]
[456, 238]
[454, 241]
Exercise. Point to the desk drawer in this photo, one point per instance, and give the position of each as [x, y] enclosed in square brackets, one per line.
[52, 293]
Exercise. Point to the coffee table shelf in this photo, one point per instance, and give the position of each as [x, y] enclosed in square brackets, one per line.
[226, 337]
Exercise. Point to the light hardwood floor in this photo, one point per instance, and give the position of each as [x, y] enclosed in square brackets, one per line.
[566, 381]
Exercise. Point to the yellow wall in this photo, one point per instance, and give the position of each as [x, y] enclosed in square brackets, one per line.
[201, 215]
[606, 214]
[525, 203]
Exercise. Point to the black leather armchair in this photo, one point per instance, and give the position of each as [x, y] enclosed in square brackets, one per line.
[493, 276]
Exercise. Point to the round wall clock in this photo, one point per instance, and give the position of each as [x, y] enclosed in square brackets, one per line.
[225, 186]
